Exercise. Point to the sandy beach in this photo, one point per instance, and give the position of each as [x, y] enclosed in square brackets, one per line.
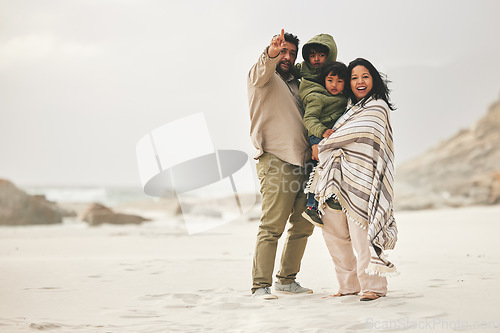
[154, 277]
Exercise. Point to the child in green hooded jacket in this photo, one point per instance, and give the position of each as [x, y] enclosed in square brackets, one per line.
[324, 104]
[318, 50]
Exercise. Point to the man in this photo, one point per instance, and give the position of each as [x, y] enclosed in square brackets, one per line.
[279, 135]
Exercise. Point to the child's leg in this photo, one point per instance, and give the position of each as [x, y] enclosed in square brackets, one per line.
[315, 203]
[311, 202]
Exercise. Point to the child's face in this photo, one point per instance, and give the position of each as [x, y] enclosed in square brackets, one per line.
[317, 58]
[334, 84]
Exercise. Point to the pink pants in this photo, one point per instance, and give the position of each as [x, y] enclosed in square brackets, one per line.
[341, 236]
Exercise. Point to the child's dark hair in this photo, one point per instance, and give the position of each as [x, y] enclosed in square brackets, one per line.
[380, 81]
[318, 48]
[335, 68]
[309, 48]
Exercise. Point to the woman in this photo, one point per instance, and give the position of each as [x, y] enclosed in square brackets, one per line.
[356, 170]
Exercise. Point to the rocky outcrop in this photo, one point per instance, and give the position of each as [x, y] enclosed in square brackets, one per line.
[19, 208]
[463, 170]
[97, 214]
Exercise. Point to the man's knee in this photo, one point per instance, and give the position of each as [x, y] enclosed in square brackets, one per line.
[300, 227]
[271, 231]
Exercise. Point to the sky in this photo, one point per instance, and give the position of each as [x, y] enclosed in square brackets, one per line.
[82, 81]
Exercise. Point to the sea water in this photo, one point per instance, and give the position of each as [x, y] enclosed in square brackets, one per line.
[108, 196]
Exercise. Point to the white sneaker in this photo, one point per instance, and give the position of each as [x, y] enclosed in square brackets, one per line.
[264, 293]
[292, 288]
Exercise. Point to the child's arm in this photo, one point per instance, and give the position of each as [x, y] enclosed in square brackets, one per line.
[314, 140]
[313, 106]
[315, 152]
[328, 132]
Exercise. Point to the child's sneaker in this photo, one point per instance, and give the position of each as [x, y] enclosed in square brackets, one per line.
[312, 216]
[333, 204]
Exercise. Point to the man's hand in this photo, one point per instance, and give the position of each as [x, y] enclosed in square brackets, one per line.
[315, 152]
[277, 44]
[328, 132]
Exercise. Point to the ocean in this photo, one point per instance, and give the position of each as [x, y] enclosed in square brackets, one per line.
[108, 196]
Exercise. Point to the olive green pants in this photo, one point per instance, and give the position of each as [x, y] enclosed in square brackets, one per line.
[283, 199]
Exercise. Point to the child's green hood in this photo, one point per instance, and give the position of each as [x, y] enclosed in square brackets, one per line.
[304, 69]
[326, 40]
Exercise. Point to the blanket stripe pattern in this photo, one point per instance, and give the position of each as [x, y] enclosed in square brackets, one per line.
[356, 167]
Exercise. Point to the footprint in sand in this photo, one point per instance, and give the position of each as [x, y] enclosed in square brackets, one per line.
[398, 298]
[178, 306]
[445, 286]
[441, 283]
[349, 299]
[187, 298]
[152, 297]
[395, 304]
[228, 306]
[359, 326]
[437, 315]
[51, 289]
[406, 295]
[487, 278]
[138, 314]
[44, 326]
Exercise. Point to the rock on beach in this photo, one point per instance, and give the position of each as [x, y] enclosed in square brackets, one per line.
[97, 214]
[19, 208]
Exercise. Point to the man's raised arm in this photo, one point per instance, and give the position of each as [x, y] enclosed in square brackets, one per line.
[263, 70]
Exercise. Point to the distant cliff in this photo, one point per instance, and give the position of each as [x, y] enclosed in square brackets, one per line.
[463, 170]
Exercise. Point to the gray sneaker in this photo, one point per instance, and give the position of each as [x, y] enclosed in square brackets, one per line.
[292, 288]
[264, 293]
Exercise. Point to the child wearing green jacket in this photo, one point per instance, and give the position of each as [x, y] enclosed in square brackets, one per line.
[318, 50]
[324, 103]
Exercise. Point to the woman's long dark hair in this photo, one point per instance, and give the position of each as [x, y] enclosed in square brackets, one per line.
[379, 90]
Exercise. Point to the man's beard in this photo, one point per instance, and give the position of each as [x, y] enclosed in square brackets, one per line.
[284, 73]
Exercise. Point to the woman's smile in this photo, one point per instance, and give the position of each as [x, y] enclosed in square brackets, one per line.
[361, 82]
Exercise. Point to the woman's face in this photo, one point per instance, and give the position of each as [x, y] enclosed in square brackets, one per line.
[361, 82]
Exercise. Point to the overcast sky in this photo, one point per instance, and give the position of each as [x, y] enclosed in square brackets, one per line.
[82, 81]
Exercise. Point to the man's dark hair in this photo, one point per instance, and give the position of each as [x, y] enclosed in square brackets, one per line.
[379, 90]
[334, 68]
[292, 39]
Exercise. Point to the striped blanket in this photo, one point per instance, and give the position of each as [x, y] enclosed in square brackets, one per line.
[356, 167]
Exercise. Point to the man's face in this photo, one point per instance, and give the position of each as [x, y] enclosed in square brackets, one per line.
[287, 58]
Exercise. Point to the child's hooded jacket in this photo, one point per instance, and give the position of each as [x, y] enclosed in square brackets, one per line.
[305, 69]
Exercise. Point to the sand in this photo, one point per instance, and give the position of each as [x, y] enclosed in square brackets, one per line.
[156, 278]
